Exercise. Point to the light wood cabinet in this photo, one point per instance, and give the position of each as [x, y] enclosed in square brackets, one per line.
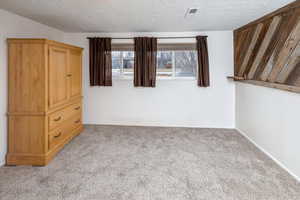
[45, 99]
[58, 76]
[75, 71]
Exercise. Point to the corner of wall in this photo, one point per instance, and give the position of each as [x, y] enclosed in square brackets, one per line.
[268, 154]
[2, 162]
[235, 106]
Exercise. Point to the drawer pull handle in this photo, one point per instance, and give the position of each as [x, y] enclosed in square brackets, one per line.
[58, 135]
[77, 108]
[57, 119]
[77, 121]
[69, 75]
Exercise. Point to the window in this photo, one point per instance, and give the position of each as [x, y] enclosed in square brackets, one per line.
[164, 64]
[122, 63]
[182, 63]
[173, 60]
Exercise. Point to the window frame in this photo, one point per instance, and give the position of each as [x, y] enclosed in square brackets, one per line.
[121, 71]
[174, 46]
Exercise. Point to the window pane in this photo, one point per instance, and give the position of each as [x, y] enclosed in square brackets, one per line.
[116, 63]
[164, 63]
[122, 63]
[128, 62]
[185, 63]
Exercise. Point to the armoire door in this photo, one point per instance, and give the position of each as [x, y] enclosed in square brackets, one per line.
[75, 72]
[58, 76]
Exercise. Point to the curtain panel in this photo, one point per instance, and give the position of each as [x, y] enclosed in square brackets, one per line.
[145, 49]
[203, 63]
[100, 62]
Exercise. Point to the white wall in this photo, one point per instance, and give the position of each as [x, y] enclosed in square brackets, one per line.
[270, 118]
[172, 102]
[15, 26]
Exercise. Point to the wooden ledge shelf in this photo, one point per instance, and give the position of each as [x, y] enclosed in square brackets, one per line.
[288, 88]
[235, 78]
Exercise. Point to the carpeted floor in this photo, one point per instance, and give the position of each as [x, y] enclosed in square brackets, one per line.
[147, 163]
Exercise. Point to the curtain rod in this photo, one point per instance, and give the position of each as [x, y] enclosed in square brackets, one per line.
[128, 38]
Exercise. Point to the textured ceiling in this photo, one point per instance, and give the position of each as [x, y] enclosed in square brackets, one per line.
[141, 15]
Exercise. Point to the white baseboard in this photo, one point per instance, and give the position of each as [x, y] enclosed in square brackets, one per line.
[269, 155]
[153, 124]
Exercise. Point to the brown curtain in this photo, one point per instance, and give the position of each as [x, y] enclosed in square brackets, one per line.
[145, 61]
[100, 62]
[203, 64]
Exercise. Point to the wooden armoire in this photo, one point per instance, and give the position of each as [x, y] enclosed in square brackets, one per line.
[44, 99]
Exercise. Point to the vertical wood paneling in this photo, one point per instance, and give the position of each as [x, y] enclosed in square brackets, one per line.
[242, 40]
[269, 35]
[287, 22]
[267, 70]
[294, 78]
[273, 54]
[290, 65]
[285, 52]
[250, 49]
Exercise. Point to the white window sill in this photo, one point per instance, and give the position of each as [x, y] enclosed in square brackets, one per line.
[176, 78]
[157, 78]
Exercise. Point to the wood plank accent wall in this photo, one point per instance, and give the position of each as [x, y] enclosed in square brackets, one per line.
[267, 50]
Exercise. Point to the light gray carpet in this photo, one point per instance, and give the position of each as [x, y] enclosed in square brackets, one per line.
[143, 163]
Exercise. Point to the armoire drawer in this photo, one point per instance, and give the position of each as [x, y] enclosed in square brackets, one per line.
[56, 137]
[64, 131]
[59, 117]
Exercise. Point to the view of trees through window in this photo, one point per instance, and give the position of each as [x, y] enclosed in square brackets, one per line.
[169, 63]
[122, 63]
[165, 63]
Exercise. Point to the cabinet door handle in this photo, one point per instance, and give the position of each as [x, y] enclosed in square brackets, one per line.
[69, 75]
[77, 121]
[77, 108]
[58, 135]
[57, 119]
